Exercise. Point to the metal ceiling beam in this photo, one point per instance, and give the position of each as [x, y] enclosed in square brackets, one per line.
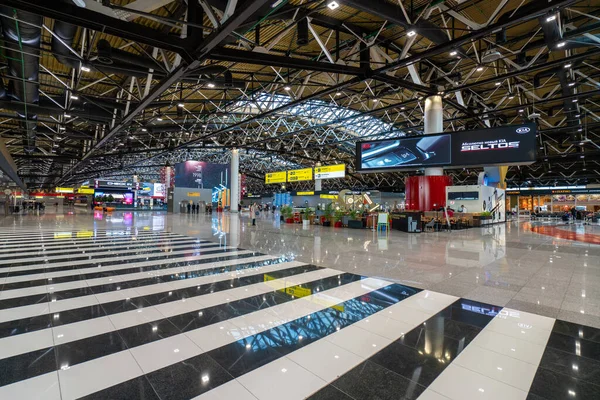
[72, 14]
[256, 58]
[212, 41]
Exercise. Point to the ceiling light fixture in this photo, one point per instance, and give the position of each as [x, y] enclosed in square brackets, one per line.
[144, 130]
[479, 69]
[67, 116]
[560, 44]
[498, 83]
[338, 94]
[333, 5]
[551, 18]
[575, 100]
[453, 53]
[512, 96]
[577, 115]
[85, 69]
[521, 110]
[287, 88]
[571, 84]
[569, 65]
[411, 33]
[180, 105]
[210, 85]
[73, 97]
[159, 119]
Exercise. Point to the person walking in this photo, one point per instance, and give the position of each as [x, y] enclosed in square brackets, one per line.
[254, 213]
[189, 207]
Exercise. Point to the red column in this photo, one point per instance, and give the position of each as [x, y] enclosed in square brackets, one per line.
[426, 193]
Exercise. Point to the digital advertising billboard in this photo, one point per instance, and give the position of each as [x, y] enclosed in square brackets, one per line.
[201, 175]
[506, 145]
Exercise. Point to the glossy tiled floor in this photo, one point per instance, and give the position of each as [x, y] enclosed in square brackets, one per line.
[149, 306]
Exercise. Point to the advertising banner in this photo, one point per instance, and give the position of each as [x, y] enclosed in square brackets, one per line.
[201, 175]
[160, 190]
[146, 189]
[506, 145]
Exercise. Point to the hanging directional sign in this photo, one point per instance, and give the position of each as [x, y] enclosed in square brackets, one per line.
[275, 177]
[330, 171]
[297, 175]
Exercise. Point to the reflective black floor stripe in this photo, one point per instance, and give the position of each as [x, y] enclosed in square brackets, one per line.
[81, 241]
[150, 249]
[43, 250]
[103, 263]
[184, 380]
[72, 353]
[410, 364]
[26, 325]
[109, 261]
[570, 365]
[89, 290]
[73, 250]
[54, 238]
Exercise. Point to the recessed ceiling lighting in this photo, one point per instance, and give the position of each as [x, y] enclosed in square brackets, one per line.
[333, 5]
[210, 85]
[411, 33]
[561, 44]
[85, 69]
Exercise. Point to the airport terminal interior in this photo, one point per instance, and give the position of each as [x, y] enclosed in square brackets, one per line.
[300, 199]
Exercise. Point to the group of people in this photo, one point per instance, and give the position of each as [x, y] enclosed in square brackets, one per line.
[193, 207]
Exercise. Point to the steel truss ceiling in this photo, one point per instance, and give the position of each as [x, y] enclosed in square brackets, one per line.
[124, 86]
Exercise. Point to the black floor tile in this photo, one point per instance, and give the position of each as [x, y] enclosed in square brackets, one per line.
[245, 355]
[23, 301]
[577, 331]
[20, 326]
[581, 368]
[369, 381]
[329, 393]
[27, 365]
[146, 333]
[411, 363]
[77, 314]
[579, 347]
[87, 349]
[188, 379]
[134, 389]
[555, 386]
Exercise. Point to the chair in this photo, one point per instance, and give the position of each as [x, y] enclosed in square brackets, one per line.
[430, 226]
[383, 221]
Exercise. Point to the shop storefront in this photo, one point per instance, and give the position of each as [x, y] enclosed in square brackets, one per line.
[554, 200]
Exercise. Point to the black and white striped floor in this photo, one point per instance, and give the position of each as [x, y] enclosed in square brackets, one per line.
[156, 315]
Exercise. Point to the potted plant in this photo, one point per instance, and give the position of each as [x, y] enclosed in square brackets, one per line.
[287, 213]
[338, 215]
[354, 220]
[110, 198]
[306, 217]
[327, 215]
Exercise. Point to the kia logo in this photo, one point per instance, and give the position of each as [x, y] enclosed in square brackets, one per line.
[523, 129]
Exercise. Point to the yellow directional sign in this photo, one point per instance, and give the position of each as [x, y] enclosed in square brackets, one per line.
[305, 193]
[330, 171]
[329, 196]
[275, 177]
[297, 175]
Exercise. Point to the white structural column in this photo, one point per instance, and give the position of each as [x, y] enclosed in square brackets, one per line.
[434, 123]
[317, 181]
[235, 180]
